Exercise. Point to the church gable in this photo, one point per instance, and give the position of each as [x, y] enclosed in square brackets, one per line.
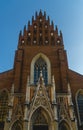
[40, 32]
[41, 98]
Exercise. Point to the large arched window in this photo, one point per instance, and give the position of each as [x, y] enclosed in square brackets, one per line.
[40, 65]
[40, 62]
[80, 106]
[17, 126]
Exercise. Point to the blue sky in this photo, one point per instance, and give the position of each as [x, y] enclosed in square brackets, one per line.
[66, 14]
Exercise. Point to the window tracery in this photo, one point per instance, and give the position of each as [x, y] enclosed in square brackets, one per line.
[48, 69]
[40, 119]
[40, 65]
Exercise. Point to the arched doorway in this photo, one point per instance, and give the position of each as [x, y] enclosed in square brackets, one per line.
[17, 126]
[64, 126]
[40, 120]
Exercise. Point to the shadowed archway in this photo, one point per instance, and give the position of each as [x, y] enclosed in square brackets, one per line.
[40, 120]
[64, 126]
[17, 125]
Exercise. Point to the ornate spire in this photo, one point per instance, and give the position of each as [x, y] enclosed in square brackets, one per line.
[69, 89]
[70, 95]
[24, 30]
[48, 19]
[10, 105]
[27, 100]
[56, 30]
[28, 24]
[53, 94]
[12, 89]
[53, 81]
[11, 99]
[52, 24]
[71, 111]
[41, 75]
[61, 35]
[41, 79]
[40, 13]
[44, 14]
[36, 15]
[20, 35]
[32, 19]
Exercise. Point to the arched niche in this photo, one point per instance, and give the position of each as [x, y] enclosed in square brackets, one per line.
[17, 125]
[40, 119]
[79, 103]
[46, 61]
[63, 125]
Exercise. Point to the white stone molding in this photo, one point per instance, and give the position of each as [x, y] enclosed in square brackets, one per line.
[11, 97]
[48, 67]
[69, 95]
[53, 92]
[41, 100]
[27, 100]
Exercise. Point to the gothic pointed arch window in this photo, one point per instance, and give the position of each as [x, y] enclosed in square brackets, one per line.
[40, 62]
[80, 106]
[40, 65]
[17, 126]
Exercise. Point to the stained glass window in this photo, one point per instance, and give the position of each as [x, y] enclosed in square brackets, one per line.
[40, 65]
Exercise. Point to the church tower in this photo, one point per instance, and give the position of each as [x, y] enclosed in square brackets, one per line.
[40, 88]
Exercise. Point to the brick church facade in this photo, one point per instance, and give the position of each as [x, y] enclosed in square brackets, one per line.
[41, 92]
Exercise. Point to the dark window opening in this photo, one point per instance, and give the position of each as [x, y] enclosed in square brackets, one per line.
[40, 41]
[28, 40]
[40, 25]
[63, 126]
[35, 32]
[1, 125]
[40, 127]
